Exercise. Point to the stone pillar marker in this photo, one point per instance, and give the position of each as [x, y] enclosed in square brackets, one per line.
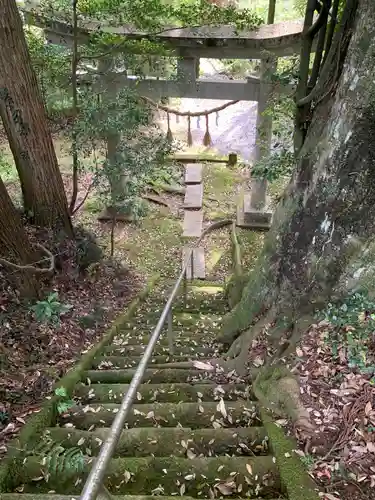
[255, 213]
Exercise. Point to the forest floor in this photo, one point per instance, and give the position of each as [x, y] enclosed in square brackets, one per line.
[341, 402]
[340, 399]
[33, 354]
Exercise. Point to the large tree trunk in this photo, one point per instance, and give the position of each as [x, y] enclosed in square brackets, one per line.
[15, 248]
[23, 114]
[326, 219]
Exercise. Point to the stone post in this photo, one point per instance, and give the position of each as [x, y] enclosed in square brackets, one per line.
[263, 133]
[255, 213]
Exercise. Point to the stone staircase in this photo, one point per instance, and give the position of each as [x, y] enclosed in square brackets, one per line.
[189, 433]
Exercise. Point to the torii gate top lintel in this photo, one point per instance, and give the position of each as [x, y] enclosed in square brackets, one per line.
[189, 45]
[215, 42]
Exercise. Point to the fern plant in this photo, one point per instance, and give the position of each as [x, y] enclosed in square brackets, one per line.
[59, 463]
[62, 463]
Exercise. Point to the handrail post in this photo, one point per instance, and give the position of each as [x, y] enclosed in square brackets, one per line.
[192, 264]
[170, 332]
[185, 289]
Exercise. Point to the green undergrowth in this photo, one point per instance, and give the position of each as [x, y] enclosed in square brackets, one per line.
[155, 245]
[245, 247]
[11, 468]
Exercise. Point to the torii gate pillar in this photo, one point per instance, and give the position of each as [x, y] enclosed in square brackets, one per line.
[255, 213]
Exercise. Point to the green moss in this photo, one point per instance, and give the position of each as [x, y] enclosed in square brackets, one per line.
[93, 205]
[251, 245]
[165, 442]
[220, 191]
[294, 478]
[243, 413]
[235, 288]
[270, 394]
[107, 393]
[154, 239]
[12, 465]
[53, 496]
[147, 474]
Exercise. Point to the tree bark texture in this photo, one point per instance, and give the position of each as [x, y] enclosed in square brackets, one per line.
[23, 114]
[325, 219]
[15, 246]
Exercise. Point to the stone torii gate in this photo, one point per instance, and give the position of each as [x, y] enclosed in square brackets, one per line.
[189, 45]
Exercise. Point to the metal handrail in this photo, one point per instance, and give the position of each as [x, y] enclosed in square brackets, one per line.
[93, 485]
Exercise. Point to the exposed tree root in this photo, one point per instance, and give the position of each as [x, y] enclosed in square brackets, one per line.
[300, 326]
[239, 363]
[156, 199]
[276, 388]
[273, 384]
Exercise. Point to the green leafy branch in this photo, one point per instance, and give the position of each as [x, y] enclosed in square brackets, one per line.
[64, 402]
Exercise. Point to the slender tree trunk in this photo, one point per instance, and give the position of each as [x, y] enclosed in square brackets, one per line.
[325, 223]
[15, 247]
[23, 114]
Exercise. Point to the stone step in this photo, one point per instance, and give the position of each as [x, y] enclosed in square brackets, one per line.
[166, 475]
[193, 197]
[193, 222]
[210, 299]
[183, 319]
[180, 338]
[192, 415]
[164, 442]
[199, 265]
[132, 361]
[198, 158]
[114, 362]
[149, 393]
[197, 351]
[153, 376]
[193, 173]
[53, 496]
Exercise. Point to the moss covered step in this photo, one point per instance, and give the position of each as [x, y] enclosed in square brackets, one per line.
[110, 362]
[206, 299]
[179, 338]
[164, 442]
[204, 295]
[149, 393]
[153, 376]
[131, 361]
[166, 475]
[185, 319]
[196, 351]
[41, 496]
[196, 305]
[192, 415]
